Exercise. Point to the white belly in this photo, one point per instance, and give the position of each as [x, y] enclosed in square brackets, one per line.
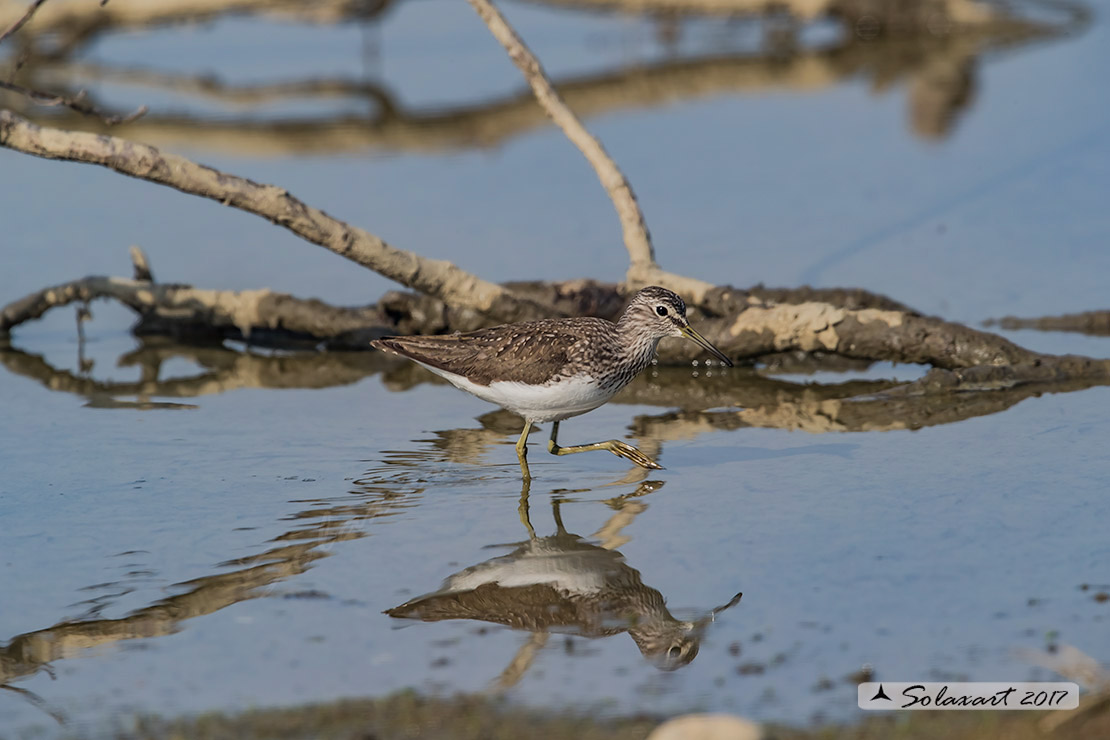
[554, 402]
[568, 572]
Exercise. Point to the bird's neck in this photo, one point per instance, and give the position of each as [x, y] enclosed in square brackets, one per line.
[637, 345]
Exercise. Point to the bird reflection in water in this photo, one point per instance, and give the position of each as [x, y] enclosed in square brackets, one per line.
[566, 583]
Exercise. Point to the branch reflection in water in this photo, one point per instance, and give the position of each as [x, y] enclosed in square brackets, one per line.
[287, 555]
[696, 403]
[564, 583]
[939, 69]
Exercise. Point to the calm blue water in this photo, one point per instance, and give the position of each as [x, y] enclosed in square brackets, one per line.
[307, 512]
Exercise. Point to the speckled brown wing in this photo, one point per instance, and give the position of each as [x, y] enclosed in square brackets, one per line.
[535, 607]
[530, 352]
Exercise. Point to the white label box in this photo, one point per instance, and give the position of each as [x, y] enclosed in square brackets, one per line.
[979, 695]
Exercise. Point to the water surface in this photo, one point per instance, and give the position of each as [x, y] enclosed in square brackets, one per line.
[231, 539]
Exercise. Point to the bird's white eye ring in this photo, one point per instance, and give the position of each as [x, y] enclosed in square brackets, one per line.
[661, 310]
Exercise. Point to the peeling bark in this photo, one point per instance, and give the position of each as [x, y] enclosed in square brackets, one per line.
[963, 358]
[868, 333]
[260, 317]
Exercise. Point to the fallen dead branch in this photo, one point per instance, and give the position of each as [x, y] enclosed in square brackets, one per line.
[868, 333]
[437, 278]
[260, 317]
[267, 318]
[831, 322]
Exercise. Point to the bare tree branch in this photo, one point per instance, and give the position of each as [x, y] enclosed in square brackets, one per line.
[437, 278]
[220, 314]
[963, 359]
[871, 333]
[643, 268]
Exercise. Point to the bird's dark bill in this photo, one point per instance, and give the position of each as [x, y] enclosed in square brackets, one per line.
[693, 336]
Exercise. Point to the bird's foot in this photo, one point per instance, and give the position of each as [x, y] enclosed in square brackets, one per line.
[628, 452]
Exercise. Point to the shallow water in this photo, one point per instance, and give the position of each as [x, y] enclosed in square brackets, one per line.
[231, 539]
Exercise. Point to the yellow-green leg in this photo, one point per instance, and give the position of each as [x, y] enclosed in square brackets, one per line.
[522, 451]
[618, 448]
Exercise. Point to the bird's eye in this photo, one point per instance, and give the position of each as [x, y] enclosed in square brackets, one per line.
[661, 310]
[674, 652]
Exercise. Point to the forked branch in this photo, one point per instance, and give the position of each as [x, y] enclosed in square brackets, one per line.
[643, 269]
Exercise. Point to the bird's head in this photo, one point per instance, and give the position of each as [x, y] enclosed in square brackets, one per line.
[663, 313]
[669, 644]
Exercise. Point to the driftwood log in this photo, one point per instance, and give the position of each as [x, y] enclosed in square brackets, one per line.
[746, 325]
[260, 317]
